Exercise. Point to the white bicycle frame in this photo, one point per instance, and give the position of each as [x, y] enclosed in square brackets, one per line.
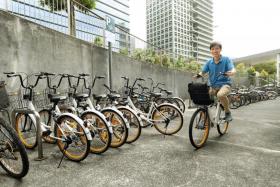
[145, 116]
[91, 108]
[215, 119]
[44, 127]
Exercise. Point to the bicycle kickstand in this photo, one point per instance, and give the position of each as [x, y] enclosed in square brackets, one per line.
[63, 154]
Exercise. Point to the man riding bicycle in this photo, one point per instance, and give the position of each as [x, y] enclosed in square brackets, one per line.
[219, 68]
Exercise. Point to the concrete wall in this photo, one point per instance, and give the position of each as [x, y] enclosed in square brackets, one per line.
[28, 47]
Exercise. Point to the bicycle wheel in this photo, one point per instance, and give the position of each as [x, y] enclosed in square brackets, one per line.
[199, 128]
[167, 119]
[13, 156]
[46, 118]
[222, 126]
[101, 136]
[26, 130]
[72, 140]
[120, 131]
[181, 103]
[271, 95]
[134, 131]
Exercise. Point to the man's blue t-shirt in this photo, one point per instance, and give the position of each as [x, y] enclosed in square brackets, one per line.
[215, 79]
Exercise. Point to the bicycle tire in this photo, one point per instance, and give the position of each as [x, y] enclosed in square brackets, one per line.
[104, 136]
[120, 130]
[205, 126]
[181, 103]
[79, 133]
[22, 152]
[29, 140]
[222, 130]
[135, 129]
[171, 116]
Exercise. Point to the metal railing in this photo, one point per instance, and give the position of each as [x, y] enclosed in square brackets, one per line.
[73, 18]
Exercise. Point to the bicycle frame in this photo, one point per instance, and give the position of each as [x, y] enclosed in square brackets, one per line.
[145, 116]
[90, 108]
[56, 114]
[215, 119]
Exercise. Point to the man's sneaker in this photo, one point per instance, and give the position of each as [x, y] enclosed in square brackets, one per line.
[228, 117]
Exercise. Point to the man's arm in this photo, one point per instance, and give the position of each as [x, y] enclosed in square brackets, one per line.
[231, 70]
[203, 72]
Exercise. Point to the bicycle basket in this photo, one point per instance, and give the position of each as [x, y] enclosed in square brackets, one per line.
[4, 98]
[199, 93]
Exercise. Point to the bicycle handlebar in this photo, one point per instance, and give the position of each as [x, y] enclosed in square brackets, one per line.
[111, 91]
[30, 87]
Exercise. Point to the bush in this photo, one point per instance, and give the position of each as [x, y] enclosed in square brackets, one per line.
[98, 41]
[124, 51]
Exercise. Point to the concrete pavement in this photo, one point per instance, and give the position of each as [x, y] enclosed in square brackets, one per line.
[248, 155]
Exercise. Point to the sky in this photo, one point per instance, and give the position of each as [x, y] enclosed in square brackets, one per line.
[244, 27]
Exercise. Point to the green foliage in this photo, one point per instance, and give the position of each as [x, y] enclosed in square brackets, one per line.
[263, 77]
[150, 56]
[98, 41]
[138, 54]
[251, 75]
[264, 74]
[269, 67]
[193, 66]
[166, 61]
[90, 4]
[251, 71]
[58, 5]
[241, 68]
[157, 59]
[124, 51]
[180, 63]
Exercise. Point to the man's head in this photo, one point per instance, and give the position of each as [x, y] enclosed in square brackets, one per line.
[215, 49]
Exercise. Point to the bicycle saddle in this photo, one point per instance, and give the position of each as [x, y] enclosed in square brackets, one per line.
[156, 94]
[98, 97]
[169, 92]
[56, 98]
[81, 96]
[113, 96]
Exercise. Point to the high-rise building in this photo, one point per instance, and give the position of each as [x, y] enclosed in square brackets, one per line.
[181, 27]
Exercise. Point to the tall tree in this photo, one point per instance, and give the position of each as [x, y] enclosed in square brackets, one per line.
[269, 67]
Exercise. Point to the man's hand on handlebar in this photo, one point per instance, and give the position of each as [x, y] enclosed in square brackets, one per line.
[197, 76]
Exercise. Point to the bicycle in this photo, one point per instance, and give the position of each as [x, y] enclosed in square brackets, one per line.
[13, 156]
[71, 133]
[117, 124]
[203, 118]
[166, 118]
[135, 123]
[177, 101]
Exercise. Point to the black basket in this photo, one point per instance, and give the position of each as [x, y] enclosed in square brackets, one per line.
[199, 93]
[4, 97]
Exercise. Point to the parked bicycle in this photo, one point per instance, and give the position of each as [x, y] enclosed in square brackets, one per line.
[70, 132]
[13, 156]
[166, 118]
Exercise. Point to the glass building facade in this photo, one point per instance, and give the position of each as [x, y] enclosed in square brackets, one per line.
[88, 25]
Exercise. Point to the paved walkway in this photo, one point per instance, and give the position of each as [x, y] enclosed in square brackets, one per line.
[249, 155]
